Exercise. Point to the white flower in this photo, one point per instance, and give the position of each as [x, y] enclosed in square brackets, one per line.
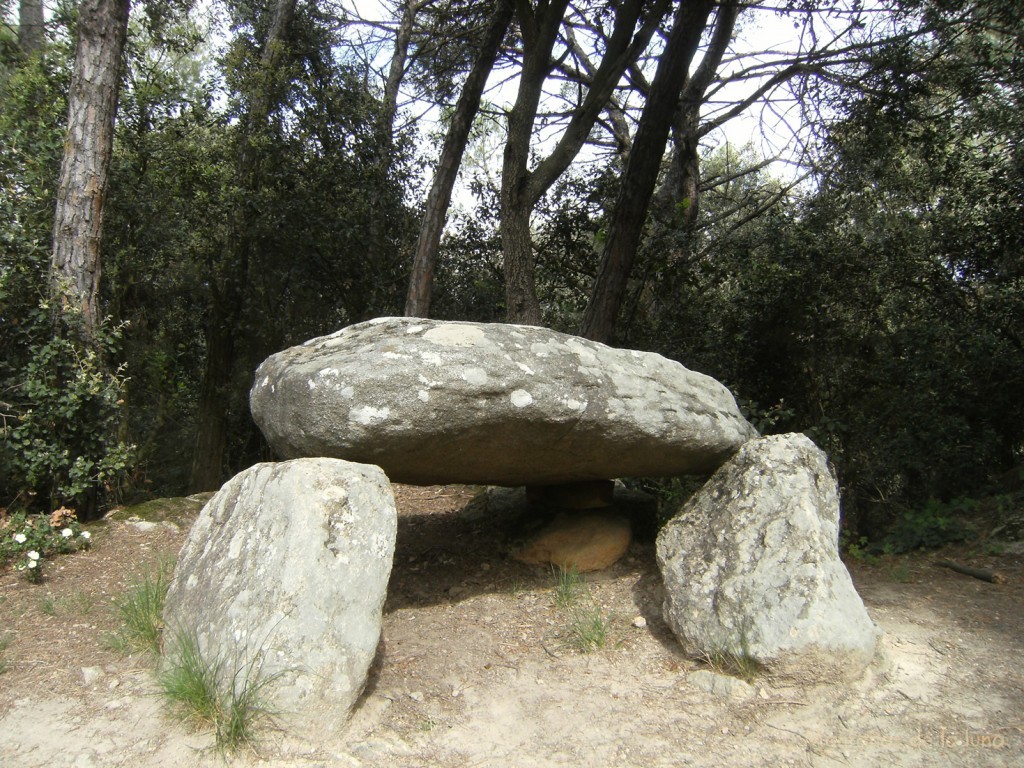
[32, 555]
[85, 535]
[20, 538]
[67, 533]
[32, 563]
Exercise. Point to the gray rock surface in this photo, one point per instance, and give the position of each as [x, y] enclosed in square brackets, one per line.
[442, 402]
[287, 568]
[751, 565]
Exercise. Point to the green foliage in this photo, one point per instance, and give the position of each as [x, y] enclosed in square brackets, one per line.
[588, 629]
[881, 313]
[5, 642]
[59, 402]
[61, 444]
[859, 549]
[568, 586]
[189, 682]
[765, 419]
[932, 526]
[311, 236]
[901, 572]
[141, 611]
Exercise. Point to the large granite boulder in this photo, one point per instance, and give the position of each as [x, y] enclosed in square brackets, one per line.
[285, 573]
[751, 566]
[444, 402]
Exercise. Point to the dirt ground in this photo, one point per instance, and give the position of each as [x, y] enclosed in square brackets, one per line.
[477, 668]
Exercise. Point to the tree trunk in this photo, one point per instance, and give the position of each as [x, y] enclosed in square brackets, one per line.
[214, 399]
[682, 182]
[396, 71]
[539, 31]
[82, 189]
[641, 175]
[31, 27]
[521, 303]
[230, 282]
[417, 302]
[521, 189]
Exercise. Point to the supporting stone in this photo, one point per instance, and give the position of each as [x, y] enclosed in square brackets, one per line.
[751, 566]
[283, 578]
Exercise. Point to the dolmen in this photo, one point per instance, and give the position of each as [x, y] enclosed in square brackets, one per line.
[286, 569]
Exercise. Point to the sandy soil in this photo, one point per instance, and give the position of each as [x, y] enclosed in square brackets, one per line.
[478, 669]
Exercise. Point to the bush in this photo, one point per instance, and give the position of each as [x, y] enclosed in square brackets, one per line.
[60, 440]
[930, 527]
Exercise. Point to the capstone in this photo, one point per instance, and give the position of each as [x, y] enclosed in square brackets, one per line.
[434, 402]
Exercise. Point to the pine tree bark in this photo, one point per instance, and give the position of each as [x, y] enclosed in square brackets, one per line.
[417, 303]
[31, 26]
[522, 188]
[682, 182]
[641, 175]
[396, 70]
[231, 281]
[82, 190]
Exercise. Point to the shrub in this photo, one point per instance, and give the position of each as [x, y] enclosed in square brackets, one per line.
[60, 442]
[930, 527]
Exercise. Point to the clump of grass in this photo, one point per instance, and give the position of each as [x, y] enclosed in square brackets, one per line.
[78, 604]
[189, 682]
[568, 586]
[588, 626]
[589, 629]
[200, 690]
[739, 663]
[141, 611]
[5, 663]
[48, 605]
[901, 572]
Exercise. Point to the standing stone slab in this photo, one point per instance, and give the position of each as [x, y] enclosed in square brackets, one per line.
[751, 565]
[287, 566]
[442, 402]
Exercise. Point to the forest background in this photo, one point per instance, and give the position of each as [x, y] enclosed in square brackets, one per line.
[185, 190]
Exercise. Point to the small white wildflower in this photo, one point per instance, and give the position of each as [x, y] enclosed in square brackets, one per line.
[20, 538]
[32, 563]
[85, 535]
[67, 533]
[33, 556]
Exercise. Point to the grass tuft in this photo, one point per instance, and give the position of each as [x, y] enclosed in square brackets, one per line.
[734, 662]
[48, 605]
[189, 682]
[141, 611]
[589, 629]
[568, 586]
[198, 689]
[588, 626]
[5, 663]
